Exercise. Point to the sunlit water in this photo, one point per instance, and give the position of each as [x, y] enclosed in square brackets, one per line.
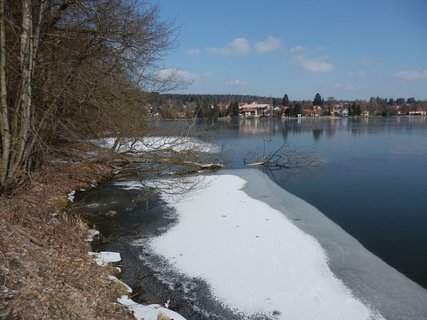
[372, 180]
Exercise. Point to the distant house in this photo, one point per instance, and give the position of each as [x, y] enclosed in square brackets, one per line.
[417, 113]
[343, 112]
[254, 109]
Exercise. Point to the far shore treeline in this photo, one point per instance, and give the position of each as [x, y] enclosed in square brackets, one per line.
[175, 106]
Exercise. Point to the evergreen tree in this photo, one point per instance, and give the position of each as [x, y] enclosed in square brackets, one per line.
[400, 101]
[355, 109]
[285, 100]
[235, 109]
[318, 100]
[297, 109]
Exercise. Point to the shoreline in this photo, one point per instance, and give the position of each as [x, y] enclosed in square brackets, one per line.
[370, 279]
[406, 296]
[44, 261]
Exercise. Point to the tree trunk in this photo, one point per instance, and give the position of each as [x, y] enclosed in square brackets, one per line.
[24, 101]
[4, 117]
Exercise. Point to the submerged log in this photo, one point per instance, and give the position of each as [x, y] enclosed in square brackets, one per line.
[211, 166]
[256, 164]
[205, 166]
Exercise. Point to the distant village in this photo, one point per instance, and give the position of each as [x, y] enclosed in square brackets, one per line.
[176, 106]
[255, 109]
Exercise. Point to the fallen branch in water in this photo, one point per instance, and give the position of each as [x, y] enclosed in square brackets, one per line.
[205, 166]
[284, 157]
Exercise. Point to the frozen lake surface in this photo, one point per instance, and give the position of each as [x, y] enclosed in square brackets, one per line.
[264, 251]
[372, 182]
[242, 247]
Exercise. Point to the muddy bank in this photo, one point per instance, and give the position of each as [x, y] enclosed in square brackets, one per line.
[45, 271]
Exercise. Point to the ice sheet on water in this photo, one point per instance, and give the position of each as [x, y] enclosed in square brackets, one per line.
[254, 258]
[369, 278]
[258, 261]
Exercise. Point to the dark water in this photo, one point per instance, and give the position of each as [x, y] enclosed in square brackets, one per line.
[373, 180]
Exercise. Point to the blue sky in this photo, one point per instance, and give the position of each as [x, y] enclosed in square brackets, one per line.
[342, 49]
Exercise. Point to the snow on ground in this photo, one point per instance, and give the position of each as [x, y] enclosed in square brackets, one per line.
[255, 259]
[158, 143]
[140, 311]
[71, 196]
[92, 234]
[148, 312]
[105, 257]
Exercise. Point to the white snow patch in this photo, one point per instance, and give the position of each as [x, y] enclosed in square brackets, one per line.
[145, 144]
[148, 312]
[92, 233]
[105, 257]
[254, 258]
[71, 196]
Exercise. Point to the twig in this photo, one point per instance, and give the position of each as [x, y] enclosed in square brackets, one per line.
[25, 234]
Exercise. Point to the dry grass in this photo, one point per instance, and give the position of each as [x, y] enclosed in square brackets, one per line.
[43, 256]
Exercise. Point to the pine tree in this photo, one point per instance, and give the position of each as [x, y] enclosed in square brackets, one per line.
[285, 100]
[317, 100]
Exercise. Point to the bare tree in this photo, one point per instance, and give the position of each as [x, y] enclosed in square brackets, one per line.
[76, 68]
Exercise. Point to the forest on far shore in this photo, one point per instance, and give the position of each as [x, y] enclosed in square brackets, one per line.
[173, 106]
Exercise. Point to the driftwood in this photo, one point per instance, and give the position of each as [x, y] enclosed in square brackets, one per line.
[122, 160]
[256, 164]
[284, 157]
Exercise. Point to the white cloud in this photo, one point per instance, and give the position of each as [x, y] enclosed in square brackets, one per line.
[237, 46]
[313, 65]
[236, 83]
[358, 74]
[268, 45]
[297, 49]
[169, 74]
[411, 75]
[194, 52]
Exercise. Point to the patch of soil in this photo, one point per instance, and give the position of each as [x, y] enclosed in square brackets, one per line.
[45, 270]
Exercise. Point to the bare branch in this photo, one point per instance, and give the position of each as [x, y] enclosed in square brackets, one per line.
[284, 157]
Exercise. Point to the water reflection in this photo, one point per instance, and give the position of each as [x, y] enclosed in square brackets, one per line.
[322, 128]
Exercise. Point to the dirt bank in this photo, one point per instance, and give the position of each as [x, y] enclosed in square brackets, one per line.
[45, 271]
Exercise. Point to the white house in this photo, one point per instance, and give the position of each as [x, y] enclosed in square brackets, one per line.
[344, 112]
[417, 113]
[254, 109]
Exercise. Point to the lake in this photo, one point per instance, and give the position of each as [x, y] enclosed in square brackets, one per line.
[372, 181]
